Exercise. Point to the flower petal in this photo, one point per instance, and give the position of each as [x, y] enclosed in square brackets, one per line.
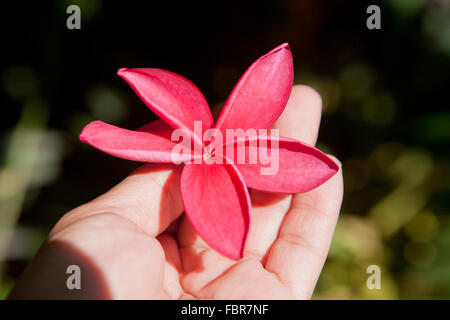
[217, 203]
[151, 143]
[261, 93]
[289, 166]
[172, 97]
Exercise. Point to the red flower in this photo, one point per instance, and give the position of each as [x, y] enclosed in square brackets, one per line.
[215, 196]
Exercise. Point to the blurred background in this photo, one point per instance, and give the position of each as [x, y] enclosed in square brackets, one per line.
[385, 116]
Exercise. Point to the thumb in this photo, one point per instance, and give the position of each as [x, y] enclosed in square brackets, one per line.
[149, 197]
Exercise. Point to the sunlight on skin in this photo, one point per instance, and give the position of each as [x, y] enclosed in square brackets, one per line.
[121, 234]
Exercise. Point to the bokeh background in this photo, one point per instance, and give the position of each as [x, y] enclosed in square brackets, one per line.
[386, 116]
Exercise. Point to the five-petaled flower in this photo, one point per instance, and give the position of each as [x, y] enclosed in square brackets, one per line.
[215, 196]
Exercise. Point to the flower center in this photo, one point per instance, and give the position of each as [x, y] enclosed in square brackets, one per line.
[209, 153]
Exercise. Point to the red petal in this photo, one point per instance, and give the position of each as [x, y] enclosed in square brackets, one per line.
[150, 144]
[172, 97]
[261, 93]
[217, 203]
[300, 168]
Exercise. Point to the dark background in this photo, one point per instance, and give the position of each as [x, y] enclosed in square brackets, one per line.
[386, 116]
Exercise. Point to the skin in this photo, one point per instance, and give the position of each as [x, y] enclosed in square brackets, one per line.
[133, 243]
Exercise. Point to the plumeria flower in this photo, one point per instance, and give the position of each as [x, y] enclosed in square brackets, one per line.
[215, 193]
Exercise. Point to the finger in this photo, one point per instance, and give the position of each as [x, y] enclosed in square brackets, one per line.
[201, 264]
[172, 286]
[300, 120]
[246, 279]
[298, 254]
[149, 197]
[116, 260]
[209, 275]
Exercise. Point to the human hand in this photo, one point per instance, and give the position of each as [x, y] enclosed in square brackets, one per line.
[133, 243]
